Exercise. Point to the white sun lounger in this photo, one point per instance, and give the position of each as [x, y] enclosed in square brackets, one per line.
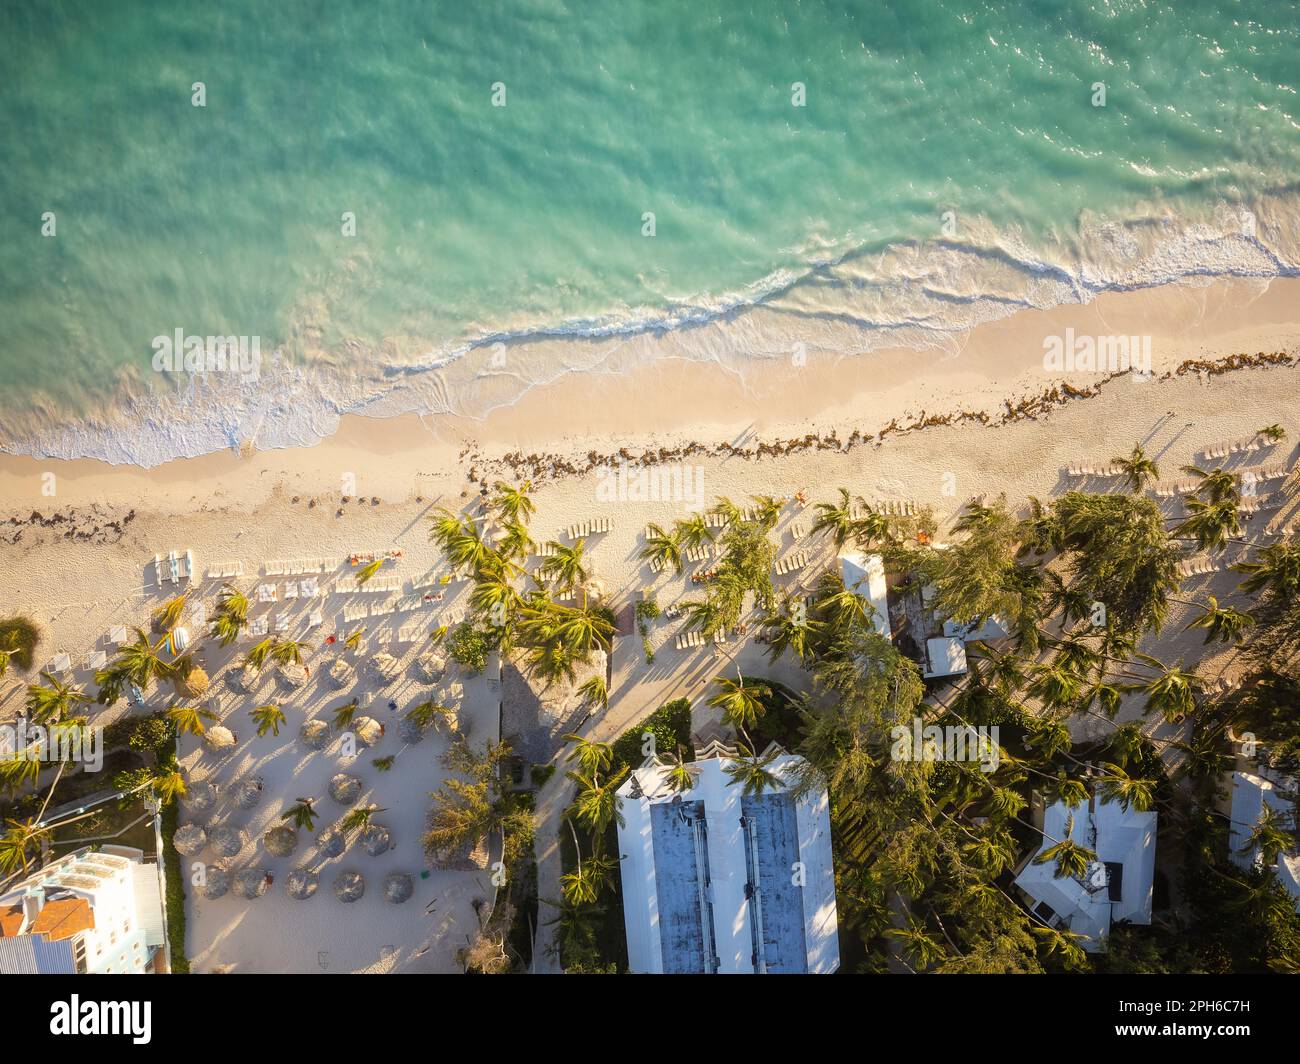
[689, 639]
[714, 521]
[792, 564]
[117, 634]
[97, 660]
[282, 621]
[259, 626]
[267, 592]
[699, 554]
[290, 589]
[309, 588]
[355, 613]
[410, 633]
[798, 530]
[315, 619]
[59, 663]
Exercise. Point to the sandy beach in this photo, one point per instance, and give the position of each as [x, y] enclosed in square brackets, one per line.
[995, 422]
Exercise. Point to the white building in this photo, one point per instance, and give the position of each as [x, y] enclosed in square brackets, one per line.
[1117, 886]
[714, 881]
[864, 574]
[89, 912]
[1250, 794]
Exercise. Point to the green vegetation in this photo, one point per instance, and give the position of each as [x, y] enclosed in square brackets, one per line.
[470, 646]
[19, 638]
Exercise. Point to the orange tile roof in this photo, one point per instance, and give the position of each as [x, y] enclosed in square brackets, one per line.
[11, 919]
[63, 918]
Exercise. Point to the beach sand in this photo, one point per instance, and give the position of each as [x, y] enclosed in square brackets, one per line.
[257, 506]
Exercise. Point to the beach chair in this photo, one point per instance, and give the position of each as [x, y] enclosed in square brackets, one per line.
[714, 521]
[410, 633]
[309, 588]
[267, 592]
[352, 614]
[290, 589]
[117, 634]
[59, 663]
[97, 659]
[282, 621]
[259, 626]
[315, 619]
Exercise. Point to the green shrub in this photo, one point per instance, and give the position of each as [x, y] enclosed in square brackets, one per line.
[670, 724]
[23, 636]
[470, 646]
[152, 735]
[180, 963]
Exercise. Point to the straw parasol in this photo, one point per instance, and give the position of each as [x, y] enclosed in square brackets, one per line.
[280, 840]
[301, 883]
[315, 734]
[189, 839]
[376, 839]
[248, 792]
[294, 675]
[199, 798]
[345, 788]
[341, 672]
[398, 887]
[251, 882]
[226, 840]
[431, 667]
[216, 881]
[349, 886]
[244, 679]
[219, 739]
[330, 843]
[368, 730]
[385, 667]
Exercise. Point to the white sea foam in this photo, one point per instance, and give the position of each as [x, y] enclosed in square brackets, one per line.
[901, 295]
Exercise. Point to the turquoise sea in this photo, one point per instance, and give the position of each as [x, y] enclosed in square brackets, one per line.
[476, 223]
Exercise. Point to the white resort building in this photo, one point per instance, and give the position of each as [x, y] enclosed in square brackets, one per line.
[717, 881]
[90, 912]
[1118, 884]
[1250, 794]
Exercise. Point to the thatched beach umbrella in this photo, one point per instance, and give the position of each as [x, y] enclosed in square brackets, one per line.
[216, 881]
[345, 788]
[226, 840]
[248, 792]
[294, 675]
[189, 839]
[398, 887]
[409, 731]
[330, 843]
[301, 883]
[431, 667]
[368, 730]
[280, 840]
[245, 679]
[376, 839]
[252, 882]
[385, 667]
[341, 672]
[349, 886]
[315, 734]
[219, 739]
[199, 798]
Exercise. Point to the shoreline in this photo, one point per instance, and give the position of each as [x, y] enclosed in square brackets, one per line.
[676, 408]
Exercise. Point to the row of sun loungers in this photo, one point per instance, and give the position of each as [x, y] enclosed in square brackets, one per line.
[295, 566]
[590, 528]
[792, 564]
[698, 554]
[270, 592]
[798, 530]
[1201, 566]
[1095, 471]
[1249, 476]
[1253, 504]
[896, 507]
[545, 550]
[1222, 450]
[174, 568]
[225, 570]
[689, 639]
[374, 584]
[432, 578]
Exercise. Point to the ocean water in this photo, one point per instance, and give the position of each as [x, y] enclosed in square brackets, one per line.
[947, 166]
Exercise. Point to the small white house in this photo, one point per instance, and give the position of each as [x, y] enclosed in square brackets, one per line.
[1117, 886]
[864, 574]
[89, 912]
[717, 881]
[1250, 794]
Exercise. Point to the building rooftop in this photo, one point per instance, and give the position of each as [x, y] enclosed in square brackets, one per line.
[1250, 794]
[864, 574]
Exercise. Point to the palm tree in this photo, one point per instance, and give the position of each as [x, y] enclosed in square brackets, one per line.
[595, 693]
[168, 615]
[344, 715]
[9, 646]
[360, 817]
[662, 549]
[190, 721]
[17, 773]
[1118, 786]
[167, 782]
[1172, 692]
[692, 532]
[767, 510]
[592, 757]
[1223, 623]
[53, 700]
[1273, 433]
[726, 509]
[1137, 468]
[19, 839]
[581, 628]
[1277, 571]
[585, 884]
[681, 774]
[269, 718]
[513, 503]
[565, 566]
[231, 615]
[140, 662]
[461, 541]
[752, 771]
[1072, 860]
[597, 804]
[288, 651]
[302, 813]
[515, 542]
[369, 570]
[1210, 524]
[837, 520]
[1271, 836]
[918, 943]
[259, 653]
[427, 713]
[741, 705]
[790, 630]
[1216, 485]
[493, 595]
